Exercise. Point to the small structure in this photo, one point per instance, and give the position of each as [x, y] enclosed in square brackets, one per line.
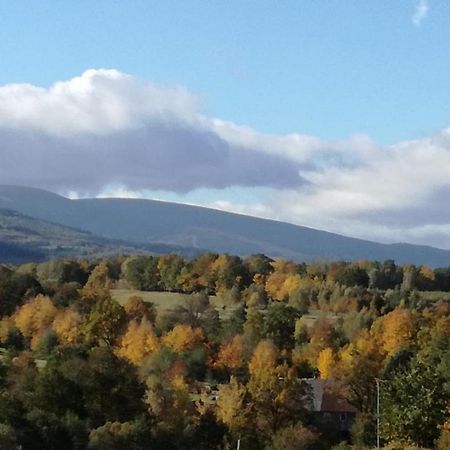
[329, 407]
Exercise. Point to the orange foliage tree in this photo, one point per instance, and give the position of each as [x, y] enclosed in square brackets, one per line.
[34, 318]
[231, 355]
[138, 342]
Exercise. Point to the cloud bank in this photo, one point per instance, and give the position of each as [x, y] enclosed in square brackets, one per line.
[105, 128]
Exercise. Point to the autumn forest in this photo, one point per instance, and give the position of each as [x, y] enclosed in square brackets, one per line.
[218, 351]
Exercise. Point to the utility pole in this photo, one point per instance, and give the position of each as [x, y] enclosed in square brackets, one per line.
[378, 381]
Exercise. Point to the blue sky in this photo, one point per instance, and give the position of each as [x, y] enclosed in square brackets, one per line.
[326, 68]
[333, 114]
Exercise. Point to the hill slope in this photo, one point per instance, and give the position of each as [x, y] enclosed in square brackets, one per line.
[24, 238]
[143, 222]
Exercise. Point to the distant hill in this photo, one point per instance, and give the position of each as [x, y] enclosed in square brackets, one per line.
[24, 238]
[144, 222]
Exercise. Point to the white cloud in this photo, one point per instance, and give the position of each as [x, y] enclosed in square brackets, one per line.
[106, 133]
[112, 191]
[253, 209]
[421, 8]
[99, 102]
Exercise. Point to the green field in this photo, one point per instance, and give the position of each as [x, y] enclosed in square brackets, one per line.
[166, 301]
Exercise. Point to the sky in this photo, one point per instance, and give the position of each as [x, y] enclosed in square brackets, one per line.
[330, 114]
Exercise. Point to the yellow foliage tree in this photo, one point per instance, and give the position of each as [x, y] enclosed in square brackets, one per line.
[138, 342]
[395, 330]
[183, 338]
[358, 364]
[67, 326]
[364, 345]
[326, 363]
[283, 281]
[264, 358]
[34, 318]
[182, 401]
[278, 396]
[219, 267]
[99, 277]
[232, 407]
[291, 283]
[274, 284]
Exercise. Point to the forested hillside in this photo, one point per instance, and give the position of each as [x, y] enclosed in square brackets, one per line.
[24, 238]
[172, 353]
[192, 229]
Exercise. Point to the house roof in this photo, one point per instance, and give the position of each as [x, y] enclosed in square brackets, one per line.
[325, 397]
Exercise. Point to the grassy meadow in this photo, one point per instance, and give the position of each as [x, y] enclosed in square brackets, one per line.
[166, 301]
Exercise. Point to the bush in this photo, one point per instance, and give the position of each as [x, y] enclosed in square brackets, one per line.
[296, 437]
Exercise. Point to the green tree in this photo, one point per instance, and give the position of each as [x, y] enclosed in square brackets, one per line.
[414, 403]
[229, 271]
[13, 287]
[170, 267]
[8, 438]
[259, 264]
[111, 388]
[135, 435]
[352, 275]
[105, 322]
[142, 273]
[69, 270]
[279, 325]
[253, 326]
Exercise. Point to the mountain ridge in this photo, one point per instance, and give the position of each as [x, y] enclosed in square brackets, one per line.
[143, 222]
